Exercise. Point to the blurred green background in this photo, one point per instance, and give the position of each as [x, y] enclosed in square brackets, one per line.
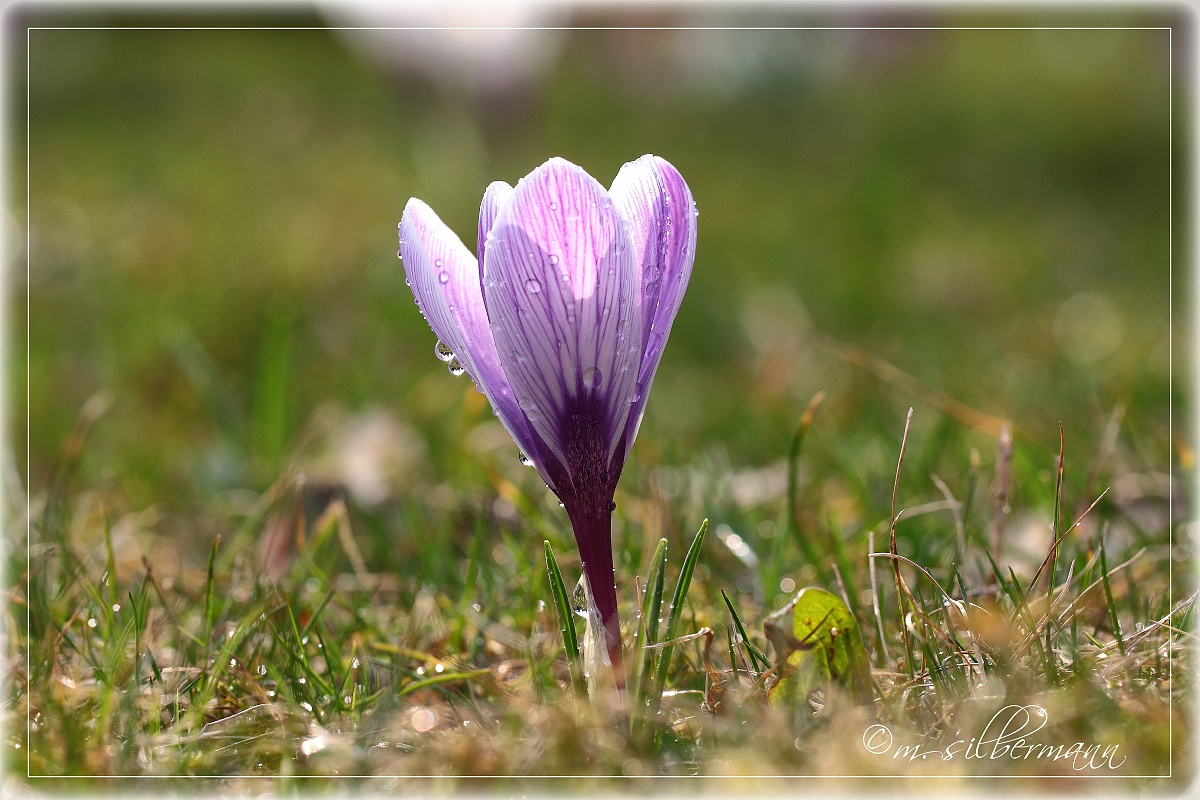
[214, 237]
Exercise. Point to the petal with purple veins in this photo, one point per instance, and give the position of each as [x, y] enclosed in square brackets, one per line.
[657, 206]
[564, 301]
[444, 279]
[496, 195]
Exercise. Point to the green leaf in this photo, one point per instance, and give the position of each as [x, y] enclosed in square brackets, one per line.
[821, 646]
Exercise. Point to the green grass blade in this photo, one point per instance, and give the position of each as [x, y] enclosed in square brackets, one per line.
[760, 661]
[1108, 597]
[445, 677]
[647, 631]
[562, 605]
[316, 614]
[844, 569]
[793, 477]
[1013, 592]
[673, 616]
[210, 604]
[473, 559]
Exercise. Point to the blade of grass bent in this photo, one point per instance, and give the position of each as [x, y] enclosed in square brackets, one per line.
[760, 661]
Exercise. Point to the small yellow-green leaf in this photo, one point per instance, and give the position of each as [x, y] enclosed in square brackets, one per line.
[821, 645]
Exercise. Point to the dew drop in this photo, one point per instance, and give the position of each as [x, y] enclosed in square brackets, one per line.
[532, 286]
[455, 367]
[443, 277]
[553, 259]
[592, 377]
[553, 206]
[442, 352]
[524, 459]
[437, 263]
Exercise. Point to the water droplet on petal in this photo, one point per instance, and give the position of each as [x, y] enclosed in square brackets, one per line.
[532, 286]
[592, 377]
[437, 263]
[442, 352]
[443, 277]
[455, 367]
[524, 459]
[553, 206]
[553, 258]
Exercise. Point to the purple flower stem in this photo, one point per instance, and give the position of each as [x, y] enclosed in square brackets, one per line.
[593, 535]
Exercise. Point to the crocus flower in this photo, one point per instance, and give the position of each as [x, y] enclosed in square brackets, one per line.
[562, 322]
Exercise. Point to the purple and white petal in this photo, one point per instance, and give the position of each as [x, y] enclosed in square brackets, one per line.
[433, 257]
[564, 301]
[444, 278]
[657, 206]
[494, 197]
